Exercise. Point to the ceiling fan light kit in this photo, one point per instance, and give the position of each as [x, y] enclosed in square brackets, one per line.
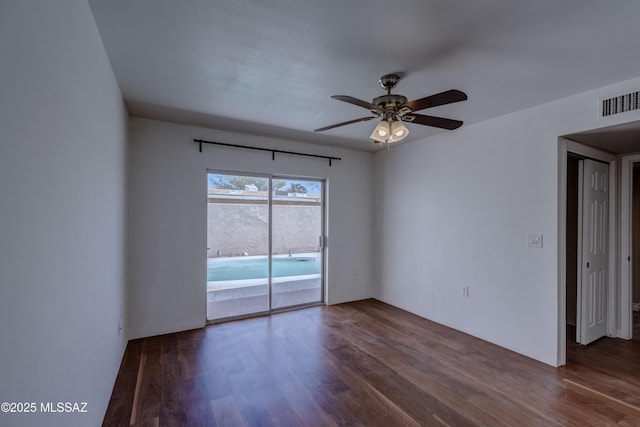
[389, 131]
[381, 132]
[394, 109]
[398, 131]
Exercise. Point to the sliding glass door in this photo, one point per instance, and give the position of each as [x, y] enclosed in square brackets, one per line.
[264, 244]
[237, 245]
[296, 243]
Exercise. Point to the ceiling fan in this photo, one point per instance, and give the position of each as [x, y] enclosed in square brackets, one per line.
[394, 109]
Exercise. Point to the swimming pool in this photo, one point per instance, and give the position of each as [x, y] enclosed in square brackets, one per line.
[241, 268]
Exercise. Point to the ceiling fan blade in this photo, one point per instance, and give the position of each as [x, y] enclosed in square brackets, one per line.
[442, 98]
[439, 122]
[356, 101]
[363, 119]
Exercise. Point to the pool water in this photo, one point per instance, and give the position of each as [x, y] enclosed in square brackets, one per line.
[242, 269]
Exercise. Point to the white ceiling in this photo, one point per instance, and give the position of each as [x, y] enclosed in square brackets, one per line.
[269, 67]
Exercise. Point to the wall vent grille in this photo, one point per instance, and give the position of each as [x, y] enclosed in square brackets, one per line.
[620, 104]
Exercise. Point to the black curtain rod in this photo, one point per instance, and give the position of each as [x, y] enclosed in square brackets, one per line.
[273, 151]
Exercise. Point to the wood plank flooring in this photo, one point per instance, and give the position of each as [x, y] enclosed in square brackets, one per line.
[365, 364]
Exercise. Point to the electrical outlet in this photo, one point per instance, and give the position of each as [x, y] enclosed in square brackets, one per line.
[465, 291]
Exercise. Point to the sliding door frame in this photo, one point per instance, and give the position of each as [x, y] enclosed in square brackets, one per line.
[322, 244]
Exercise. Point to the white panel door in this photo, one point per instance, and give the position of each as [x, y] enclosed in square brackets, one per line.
[594, 258]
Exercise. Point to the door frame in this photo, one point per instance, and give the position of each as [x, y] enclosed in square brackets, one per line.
[626, 246]
[566, 146]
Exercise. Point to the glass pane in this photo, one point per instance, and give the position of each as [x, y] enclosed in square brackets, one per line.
[296, 253]
[237, 245]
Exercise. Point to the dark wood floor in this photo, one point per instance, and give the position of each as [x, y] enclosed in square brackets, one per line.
[366, 364]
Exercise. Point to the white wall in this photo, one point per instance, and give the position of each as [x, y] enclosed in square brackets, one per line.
[167, 217]
[455, 209]
[62, 194]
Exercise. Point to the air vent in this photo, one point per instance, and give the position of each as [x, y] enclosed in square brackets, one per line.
[620, 104]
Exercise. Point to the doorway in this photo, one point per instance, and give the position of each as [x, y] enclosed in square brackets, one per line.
[615, 145]
[265, 244]
[571, 262]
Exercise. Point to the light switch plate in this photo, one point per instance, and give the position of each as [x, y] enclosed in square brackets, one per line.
[534, 240]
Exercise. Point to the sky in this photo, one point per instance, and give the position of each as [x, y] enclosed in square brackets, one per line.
[313, 187]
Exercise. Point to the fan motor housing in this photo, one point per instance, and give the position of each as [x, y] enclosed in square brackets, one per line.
[389, 102]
